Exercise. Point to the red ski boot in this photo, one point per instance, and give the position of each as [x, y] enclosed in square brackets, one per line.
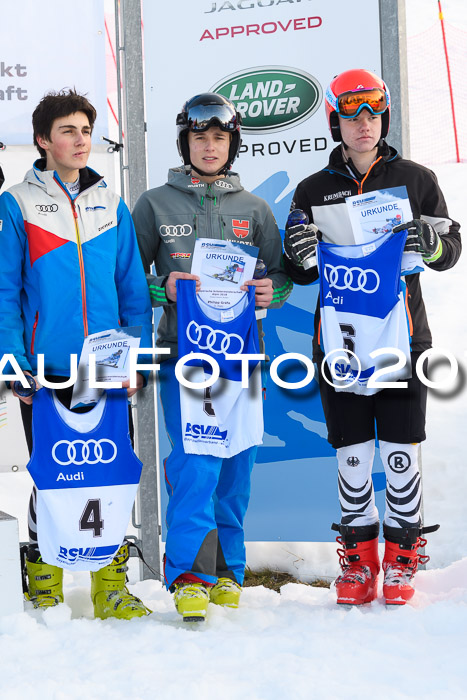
[401, 559]
[359, 562]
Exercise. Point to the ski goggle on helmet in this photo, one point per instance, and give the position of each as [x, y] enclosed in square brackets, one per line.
[200, 117]
[351, 92]
[349, 104]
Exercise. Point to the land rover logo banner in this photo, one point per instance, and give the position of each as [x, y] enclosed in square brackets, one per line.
[274, 60]
[272, 98]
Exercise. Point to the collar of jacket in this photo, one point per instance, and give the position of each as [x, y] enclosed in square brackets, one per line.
[181, 179]
[49, 178]
[385, 151]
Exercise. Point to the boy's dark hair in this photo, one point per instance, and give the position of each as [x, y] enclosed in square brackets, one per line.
[55, 105]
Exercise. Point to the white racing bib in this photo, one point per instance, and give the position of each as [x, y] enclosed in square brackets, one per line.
[224, 419]
[362, 305]
[86, 474]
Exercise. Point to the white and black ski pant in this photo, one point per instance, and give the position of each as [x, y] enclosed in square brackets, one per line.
[403, 484]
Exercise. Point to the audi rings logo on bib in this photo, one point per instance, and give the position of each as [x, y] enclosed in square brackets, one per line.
[175, 230]
[79, 452]
[271, 98]
[352, 278]
[217, 341]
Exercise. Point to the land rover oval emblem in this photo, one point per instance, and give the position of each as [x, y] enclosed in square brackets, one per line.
[271, 98]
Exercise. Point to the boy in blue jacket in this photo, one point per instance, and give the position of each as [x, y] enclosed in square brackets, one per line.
[70, 267]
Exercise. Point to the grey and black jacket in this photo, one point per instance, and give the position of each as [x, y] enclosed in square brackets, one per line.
[168, 220]
[322, 195]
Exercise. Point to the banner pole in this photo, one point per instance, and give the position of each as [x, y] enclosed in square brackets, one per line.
[146, 441]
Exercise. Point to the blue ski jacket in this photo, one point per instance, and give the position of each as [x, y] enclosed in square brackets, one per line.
[68, 268]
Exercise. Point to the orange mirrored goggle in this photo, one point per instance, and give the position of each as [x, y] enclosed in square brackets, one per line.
[349, 104]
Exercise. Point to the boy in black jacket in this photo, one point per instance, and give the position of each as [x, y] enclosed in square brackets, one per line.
[358, 111]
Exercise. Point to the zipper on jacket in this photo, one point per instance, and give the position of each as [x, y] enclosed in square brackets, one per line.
[208, 211]
[81, 270]
[357, 182]
[360, 186]
[209, 199]
[80, 258]
[409, 315]
[34, 328]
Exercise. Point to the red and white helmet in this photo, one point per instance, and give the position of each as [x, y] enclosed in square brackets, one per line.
[352, 91]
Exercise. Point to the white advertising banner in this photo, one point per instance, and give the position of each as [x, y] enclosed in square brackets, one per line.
[50, 46]
[13, 451]
[274, 60]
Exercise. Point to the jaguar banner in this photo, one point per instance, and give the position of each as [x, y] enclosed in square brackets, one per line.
[274, 60]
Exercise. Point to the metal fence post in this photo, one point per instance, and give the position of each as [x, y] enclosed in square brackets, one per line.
[395, 74]
[394, 69]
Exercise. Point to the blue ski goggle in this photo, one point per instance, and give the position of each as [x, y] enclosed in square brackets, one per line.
[350, 104]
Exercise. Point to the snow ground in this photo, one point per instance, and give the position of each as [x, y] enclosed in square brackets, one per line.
[297, 644]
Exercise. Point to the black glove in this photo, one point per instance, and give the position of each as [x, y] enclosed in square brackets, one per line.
[421, 238]
[300, 243]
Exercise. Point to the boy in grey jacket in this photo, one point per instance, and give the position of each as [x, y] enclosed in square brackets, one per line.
[208, 495]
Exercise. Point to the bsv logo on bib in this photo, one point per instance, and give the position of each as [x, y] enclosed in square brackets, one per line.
[211, 433]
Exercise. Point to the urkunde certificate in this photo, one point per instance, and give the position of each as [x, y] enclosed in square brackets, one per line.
[374, 213]
[223, 266]
[110, 361]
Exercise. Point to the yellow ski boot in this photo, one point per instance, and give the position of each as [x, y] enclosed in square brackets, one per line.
[226, 592]
[109, 594]
[45, 584]
[191, 600]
